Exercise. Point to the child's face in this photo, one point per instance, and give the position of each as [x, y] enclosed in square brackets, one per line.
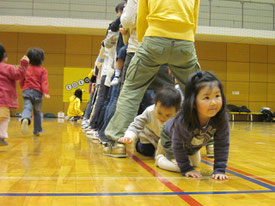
[208, 102]
[164, 113]
[119, 12]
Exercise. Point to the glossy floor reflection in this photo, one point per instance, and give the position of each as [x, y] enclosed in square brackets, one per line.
[63, 167]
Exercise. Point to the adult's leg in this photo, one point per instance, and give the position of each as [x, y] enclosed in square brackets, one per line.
[127, 62]
[141, 72]
[88, 109]
[183, 61]
[99, 102]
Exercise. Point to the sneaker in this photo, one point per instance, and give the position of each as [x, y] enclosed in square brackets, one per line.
[38, 133]
[3, 142]
[25, 126]
[93, 137]
[209, 150]
[104, 140]
[84, 126]
[115, 150]
[115, 81]
[157, 159]
[86, 129]
[90, 132]
[84, 122]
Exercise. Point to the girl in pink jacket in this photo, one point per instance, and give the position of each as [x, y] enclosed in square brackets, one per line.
[8, 96]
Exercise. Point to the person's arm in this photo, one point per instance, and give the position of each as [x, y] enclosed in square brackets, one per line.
[18, 73]
[77, 107]
[142, 23]
[45, 84]
[221, 148]
[129, 15]
[138, 124]
[114, 26]
[166, 141]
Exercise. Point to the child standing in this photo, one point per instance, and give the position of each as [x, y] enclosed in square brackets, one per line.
[146, 128]
[8, 96]
[34, 86]
[74, 111]
[203, 115]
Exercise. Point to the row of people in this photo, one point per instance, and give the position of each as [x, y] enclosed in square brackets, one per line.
[166, 42]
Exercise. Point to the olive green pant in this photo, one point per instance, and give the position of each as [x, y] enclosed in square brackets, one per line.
[179, 55]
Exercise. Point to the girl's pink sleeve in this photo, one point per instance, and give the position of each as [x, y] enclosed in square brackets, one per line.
[18, 73]
[45, 82]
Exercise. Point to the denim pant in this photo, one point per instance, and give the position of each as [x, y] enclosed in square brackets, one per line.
[32, 100]
[89, 107]
[110, 109]
[101, 98]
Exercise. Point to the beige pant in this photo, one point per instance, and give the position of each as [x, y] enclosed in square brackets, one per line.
[4, 121]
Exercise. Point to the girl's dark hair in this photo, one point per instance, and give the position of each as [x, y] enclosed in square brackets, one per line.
[36, 56]
[120, 7]
[78, 93]
[187, 119]
[168, 97]
[3, 52]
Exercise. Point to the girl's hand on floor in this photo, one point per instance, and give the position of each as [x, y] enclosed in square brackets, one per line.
[219, 176]
[125, 140]
[193, 174]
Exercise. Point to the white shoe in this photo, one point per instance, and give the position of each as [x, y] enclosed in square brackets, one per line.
[25, 126]
[115, 81]
[90, 132]
[157, 159]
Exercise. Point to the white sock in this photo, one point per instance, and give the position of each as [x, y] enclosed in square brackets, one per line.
[117, 72]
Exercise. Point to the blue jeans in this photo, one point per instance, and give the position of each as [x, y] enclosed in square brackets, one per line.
[110, 109]
[89, 107]
[32, 100]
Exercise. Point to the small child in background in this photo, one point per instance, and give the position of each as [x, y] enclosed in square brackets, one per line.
[74, 112]
[8, 96]
[202, 116]
[34, 86]
[147, 127]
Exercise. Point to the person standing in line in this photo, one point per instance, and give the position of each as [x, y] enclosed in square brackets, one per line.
[167, 29]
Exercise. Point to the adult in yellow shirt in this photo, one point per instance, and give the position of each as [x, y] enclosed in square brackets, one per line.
[74, 112]
[167, 30]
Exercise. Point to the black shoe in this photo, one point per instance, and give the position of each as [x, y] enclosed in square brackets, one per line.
[3, 142]
[104, 140]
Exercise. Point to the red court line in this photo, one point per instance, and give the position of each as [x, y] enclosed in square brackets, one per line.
[244, 173]
[166, 182]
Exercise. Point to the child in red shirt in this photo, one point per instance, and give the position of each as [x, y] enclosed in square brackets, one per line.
[34, 86]
[8, 96]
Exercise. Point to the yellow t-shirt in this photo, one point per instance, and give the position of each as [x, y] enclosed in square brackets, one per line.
[74, 107]
[174, 19]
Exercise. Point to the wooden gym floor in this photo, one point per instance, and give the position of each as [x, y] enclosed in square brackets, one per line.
[63, 167]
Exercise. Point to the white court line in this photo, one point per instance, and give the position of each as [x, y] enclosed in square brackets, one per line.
[114, 178]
